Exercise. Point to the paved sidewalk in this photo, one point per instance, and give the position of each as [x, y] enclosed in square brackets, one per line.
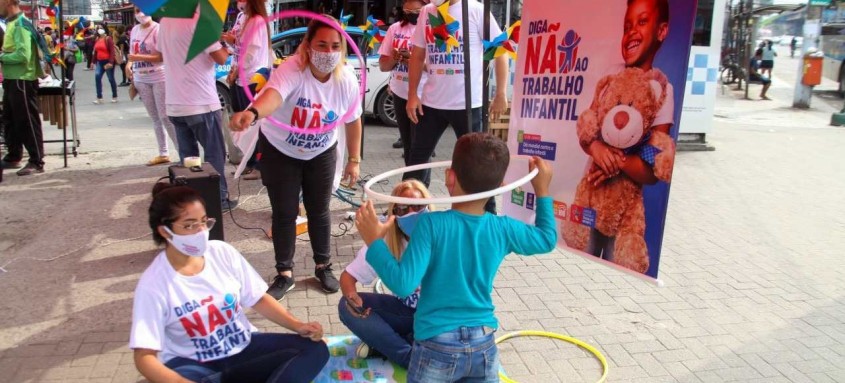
[752, 262]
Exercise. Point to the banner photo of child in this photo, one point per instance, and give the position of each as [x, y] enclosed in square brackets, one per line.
[598, 91]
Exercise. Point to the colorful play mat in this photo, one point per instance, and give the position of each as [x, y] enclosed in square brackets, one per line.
[344, 366]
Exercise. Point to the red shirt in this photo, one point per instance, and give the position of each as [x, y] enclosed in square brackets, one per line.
[101, 50]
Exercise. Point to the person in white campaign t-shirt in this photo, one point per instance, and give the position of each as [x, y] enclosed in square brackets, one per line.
[250, 24]
[192, 102]
[383, 322]
[145, 69]
[443, 100]
[188, 316]
[311, 89]
[395, 51]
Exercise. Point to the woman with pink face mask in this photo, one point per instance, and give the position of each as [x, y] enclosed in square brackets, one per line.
[188, 320]
[145, 69]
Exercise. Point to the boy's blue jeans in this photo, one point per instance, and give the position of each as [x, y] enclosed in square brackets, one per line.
[206, 130]
[387, 329]
[467, 354]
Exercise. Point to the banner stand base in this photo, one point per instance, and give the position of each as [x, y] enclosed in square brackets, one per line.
[693, 142]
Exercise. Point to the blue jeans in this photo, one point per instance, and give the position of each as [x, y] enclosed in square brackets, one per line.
[468, 354]
[389, 328]
[204, 129]
[283, 358]
[98, 78]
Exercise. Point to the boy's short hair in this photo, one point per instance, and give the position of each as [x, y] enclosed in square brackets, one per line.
[662, 9]
[480, 161]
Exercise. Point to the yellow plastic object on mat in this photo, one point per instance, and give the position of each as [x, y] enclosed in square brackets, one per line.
[552, 335]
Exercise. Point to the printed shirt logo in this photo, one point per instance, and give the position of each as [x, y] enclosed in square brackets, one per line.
[214, 332]
[310, 115]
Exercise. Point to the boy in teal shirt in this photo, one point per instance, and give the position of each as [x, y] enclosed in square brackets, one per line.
[453, 257]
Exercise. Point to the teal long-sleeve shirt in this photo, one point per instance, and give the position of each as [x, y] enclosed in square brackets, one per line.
[453, 258]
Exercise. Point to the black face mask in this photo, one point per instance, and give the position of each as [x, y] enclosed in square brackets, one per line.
[412, 17]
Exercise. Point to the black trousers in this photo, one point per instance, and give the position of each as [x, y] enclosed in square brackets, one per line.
[284, 177]
[22, 121]
[406, 127]
[427, 134]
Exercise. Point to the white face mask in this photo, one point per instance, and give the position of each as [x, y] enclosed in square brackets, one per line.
[241, 5]
[142, 18]
[193, 245]
[325, 62]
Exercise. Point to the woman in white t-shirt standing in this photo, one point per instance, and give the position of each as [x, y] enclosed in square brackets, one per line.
[311, 89]
[395, 51]
[188, 320]
[145, 69]
[252, 23]
[383, 322]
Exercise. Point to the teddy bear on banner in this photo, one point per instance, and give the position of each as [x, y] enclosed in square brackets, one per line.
[611, 215]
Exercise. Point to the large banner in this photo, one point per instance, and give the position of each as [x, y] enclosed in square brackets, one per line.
[598, 90]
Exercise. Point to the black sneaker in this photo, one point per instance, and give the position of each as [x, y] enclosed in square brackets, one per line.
[11, 164]
[398, 144]
[327, 279]
[30, 169]
[228, 205]
[280, 286]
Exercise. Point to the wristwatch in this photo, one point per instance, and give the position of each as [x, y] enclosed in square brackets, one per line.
[254, 112]
[356, 160]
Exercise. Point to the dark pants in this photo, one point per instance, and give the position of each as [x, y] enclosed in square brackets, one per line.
[70, 64]
[427, 134]
[239, 103]
[283, 358]
[123, 73]
[406, 127]
[205, 129]
[22, 121]
[284, 177]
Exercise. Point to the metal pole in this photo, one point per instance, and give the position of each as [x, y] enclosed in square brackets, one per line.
[65, 115]
[467, 59]
[364, 71]
[485, 87]
[507, 13]
[812, 23]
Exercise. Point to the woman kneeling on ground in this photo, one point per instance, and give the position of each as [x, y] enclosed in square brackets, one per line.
[384, 322]
[188, 320]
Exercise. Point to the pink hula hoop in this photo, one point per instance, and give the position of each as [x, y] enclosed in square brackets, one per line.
[250, 34]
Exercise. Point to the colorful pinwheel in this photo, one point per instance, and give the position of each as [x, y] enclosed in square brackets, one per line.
[444, 28]
[259, 79]
[52, 12]
[344, 19]
[505, 43]
[372, 31]
[57, 56]
[212, 13]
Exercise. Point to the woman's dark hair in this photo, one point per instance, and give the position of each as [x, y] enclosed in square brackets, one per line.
[400, 10]
[168, 201]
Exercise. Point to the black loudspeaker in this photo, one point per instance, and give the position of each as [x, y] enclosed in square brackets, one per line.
[207, 182]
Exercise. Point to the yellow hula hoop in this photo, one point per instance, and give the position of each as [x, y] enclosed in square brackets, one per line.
[564, 338]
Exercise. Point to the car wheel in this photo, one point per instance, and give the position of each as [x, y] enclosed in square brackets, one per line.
[386, 108]
[235, 154]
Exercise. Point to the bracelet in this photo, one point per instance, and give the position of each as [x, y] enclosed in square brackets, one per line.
[355, 160]
[254, 112]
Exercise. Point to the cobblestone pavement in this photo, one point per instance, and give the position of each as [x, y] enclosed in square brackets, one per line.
[752, 265]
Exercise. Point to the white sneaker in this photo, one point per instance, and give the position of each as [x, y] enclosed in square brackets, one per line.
[114, 100]
[98, 101]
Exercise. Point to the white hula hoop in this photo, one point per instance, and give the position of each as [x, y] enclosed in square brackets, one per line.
[441, 200]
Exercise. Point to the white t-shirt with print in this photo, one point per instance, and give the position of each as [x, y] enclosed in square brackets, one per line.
[257, 53]
[361, 270]
[309, 103]
[191, 88]
[399, 37]
[444, 88]
[198, 317]
[144, 41]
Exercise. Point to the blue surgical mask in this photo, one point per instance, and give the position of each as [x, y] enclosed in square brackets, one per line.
[408, 221]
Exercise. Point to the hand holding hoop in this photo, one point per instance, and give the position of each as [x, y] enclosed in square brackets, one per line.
[449, 200]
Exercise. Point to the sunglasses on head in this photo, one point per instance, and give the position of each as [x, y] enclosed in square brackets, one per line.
[401, 210]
